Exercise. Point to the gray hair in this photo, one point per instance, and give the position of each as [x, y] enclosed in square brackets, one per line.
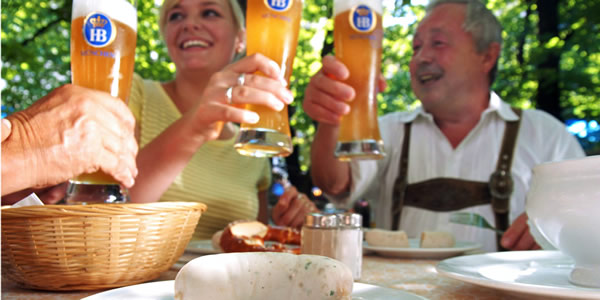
[481, 23]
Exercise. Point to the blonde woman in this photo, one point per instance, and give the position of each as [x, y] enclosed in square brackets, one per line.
[186, 128]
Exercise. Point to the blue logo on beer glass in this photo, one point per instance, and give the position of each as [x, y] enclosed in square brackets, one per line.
[98, 30]
[279, 5]
[362, 18]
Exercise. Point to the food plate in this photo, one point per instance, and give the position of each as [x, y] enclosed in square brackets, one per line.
[415, 252]
[163, 290]
[524, 273]
[205, 247]
[201, 247]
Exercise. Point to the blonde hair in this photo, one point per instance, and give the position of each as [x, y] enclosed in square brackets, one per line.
[238, 14]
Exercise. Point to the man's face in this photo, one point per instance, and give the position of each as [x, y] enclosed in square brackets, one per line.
[445, 66]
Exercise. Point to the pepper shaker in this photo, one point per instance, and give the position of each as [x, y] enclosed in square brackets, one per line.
[319, 234]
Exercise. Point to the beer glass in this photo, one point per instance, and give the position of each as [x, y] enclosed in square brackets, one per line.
[357, 42]
[271, 29]
[103, 38]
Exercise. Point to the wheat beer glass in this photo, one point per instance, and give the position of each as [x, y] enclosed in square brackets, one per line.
[357, 42]
[103, 38]
[271, 29]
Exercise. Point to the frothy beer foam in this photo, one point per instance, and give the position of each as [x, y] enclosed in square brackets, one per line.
[118, 10]
[340, 6]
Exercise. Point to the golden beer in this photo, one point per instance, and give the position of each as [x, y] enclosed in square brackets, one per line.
[358, 33]
[108, 68]
[103, 39]
[272, 30]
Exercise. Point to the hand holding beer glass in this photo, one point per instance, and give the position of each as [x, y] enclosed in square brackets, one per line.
[271, 29]
[103, 39]
[357, 42]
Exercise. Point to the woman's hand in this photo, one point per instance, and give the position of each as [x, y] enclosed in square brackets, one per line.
[291, 208]
[237, 85]
[71, 131]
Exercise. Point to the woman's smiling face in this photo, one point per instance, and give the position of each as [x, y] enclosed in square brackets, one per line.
[202, 34]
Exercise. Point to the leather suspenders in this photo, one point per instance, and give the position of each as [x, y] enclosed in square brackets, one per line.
[450, 194]
[402, 180]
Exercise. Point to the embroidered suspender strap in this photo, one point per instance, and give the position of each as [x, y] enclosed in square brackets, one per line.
[401, 180]
[446, 194]
[501, 183]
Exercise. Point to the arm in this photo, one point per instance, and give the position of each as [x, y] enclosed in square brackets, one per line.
[167, 155]
[71, 131]
[263, 207]
[325, 102]
[48, 195]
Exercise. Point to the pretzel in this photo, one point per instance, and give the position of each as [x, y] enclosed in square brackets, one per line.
[250, 236]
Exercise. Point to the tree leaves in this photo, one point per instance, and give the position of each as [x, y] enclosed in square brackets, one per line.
[36, 37]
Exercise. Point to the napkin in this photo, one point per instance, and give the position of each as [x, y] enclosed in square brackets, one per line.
[32, 199]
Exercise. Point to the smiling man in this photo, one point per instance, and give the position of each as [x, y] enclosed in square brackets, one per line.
[464, 149]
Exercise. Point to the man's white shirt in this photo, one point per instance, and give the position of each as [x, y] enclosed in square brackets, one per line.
[541, 138]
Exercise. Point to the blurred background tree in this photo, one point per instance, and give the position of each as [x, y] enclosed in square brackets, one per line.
[550, 59]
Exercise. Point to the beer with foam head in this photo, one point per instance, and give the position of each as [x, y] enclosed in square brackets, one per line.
[358, 34]
[103, 38]
[272, 28]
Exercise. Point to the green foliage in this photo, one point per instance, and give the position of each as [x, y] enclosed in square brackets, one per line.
[35, 55]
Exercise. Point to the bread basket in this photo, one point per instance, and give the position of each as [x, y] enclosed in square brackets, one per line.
[98, 246]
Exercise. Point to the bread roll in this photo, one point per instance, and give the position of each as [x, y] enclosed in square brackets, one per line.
[387, 238]
[436, 239]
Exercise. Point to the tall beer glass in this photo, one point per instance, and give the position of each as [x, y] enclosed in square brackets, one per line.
[103, 38]
[271, 29]
[357, 42]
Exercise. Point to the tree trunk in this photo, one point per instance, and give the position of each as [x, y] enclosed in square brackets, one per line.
[548, 95]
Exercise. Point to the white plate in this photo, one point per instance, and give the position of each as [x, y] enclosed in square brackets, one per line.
[163, 290]
[524, 273]
[415, 252]
[201, 247]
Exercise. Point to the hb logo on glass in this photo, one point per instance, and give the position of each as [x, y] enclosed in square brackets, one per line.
[98, 30]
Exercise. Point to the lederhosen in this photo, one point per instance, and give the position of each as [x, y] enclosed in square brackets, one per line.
[450, 194]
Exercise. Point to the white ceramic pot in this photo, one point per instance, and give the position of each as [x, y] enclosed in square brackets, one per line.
[563, 203]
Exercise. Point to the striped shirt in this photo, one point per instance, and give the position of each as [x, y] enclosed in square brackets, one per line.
[228, 183]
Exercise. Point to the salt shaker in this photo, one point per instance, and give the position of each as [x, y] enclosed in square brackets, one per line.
[319, 234]
[349, 242]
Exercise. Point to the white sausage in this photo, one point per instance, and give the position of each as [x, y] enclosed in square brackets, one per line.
[263, 276]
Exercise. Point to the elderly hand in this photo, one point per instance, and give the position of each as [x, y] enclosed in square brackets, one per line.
[518, 237]
[326, 96]
[291, 208]
[71, 131]
[237, 85]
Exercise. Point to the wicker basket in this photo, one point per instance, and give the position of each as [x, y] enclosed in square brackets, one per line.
[88, 247]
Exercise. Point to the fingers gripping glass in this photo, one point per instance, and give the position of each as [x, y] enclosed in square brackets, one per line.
[103, 39]
[272, 30]
[358, 35]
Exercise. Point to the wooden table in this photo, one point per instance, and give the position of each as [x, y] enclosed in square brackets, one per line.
[416, 276]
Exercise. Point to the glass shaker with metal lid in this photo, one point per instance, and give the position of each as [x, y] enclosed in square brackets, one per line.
[349, 242]
[319, 234]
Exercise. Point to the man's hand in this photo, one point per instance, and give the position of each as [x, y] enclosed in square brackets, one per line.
[71, 131]
[518, 237]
